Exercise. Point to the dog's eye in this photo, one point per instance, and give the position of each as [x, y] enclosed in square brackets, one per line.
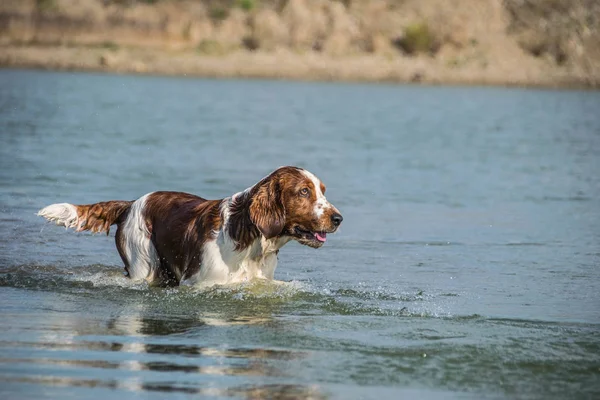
[304, 192]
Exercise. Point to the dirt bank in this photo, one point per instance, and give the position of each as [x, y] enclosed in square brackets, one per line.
[513, 42]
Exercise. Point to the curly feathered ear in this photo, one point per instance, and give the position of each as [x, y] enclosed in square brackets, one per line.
[266, 210]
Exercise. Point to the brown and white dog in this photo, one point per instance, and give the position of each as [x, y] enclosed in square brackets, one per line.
[172, 238]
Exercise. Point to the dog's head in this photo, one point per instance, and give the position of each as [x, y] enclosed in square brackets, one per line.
[291, 202]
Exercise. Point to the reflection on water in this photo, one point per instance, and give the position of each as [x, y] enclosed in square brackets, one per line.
[274, 391]
[147, 339]
[241, 341]
[150, 365]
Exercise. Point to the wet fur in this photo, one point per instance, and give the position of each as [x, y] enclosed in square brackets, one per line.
[172, 238]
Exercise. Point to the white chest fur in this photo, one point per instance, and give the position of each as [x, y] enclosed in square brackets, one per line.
[222, 264]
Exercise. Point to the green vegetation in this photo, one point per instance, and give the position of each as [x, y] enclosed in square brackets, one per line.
[418, 38]
[46, 5]
[246, 5]
[218, 13]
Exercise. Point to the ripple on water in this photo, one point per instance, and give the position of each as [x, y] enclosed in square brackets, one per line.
[108, 283]
[183, 339]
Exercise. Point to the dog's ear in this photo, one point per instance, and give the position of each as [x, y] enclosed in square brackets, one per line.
[266, 209]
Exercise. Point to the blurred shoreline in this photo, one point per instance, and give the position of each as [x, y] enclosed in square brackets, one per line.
[470, 42]
[287, 66]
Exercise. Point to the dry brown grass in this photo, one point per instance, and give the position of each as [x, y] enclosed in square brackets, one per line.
[563, 32]
[470, 41]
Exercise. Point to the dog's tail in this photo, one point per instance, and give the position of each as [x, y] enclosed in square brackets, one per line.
[92, 217]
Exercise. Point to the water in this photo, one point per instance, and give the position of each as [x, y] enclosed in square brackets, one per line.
[467, 265]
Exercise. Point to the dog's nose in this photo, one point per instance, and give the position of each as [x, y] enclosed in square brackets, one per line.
[337, 219]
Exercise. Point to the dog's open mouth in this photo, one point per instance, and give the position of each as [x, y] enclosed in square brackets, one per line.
[314, 239]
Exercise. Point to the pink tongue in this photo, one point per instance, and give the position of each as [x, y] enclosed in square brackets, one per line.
[321, 237]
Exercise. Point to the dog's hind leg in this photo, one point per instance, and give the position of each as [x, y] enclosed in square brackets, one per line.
[135, 246]
[120, 242]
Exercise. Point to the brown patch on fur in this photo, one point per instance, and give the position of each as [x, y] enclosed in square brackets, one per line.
[266, 207]
[300, 209]
[100, 216]
[180, 224]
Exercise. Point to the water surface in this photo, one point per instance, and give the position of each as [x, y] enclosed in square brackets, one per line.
[467, 265]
